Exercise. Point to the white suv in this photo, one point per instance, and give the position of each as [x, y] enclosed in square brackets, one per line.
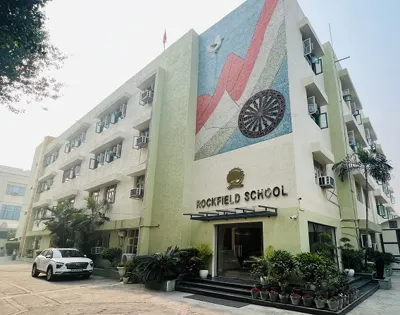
[62, 262]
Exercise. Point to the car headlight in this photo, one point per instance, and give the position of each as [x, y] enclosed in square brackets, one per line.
[59, 265]
[91, 263]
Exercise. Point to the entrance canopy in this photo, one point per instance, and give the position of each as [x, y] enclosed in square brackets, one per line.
[235, 213]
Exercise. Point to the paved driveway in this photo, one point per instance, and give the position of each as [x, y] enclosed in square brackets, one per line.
[22, 294]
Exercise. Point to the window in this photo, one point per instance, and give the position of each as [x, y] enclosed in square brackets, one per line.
[15, 190]
[50, 158]
[109, 155]
[46, 185]
[393, 224]
[111, 118]
[133, 238]
[140, 180]
[110, 193]
[10, 212]
[320, 234]
[321, 119]
[95, 195]
[359, 193]
[319, 171]
[70, 202]
[72, 173]
[75, 142]
[314, 62]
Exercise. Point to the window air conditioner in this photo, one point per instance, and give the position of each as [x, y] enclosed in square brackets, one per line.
[312, 105]
[96, 250]
[141, 142]
[127, 257]
[326, 182]
[308, 46]
[137, 193]
[346, 95]
[146, 97]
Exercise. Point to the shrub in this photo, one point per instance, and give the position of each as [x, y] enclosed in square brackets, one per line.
[313, 268]
[204, 254]
[283, 265]
[111, 254]
[190, 262]
[160, 266]
[10, 246]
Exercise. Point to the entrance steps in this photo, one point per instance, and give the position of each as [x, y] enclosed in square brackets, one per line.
[239, 290]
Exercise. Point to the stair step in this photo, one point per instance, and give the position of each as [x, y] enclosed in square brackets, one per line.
[211, 286]
[219, 282]
[361, 283]
[242, 295]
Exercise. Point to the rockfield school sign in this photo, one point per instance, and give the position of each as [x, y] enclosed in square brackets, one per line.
[227, 200]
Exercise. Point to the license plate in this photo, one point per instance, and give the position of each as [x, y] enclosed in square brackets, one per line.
[76, 270]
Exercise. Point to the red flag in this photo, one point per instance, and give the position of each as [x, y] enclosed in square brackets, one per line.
[165, 38]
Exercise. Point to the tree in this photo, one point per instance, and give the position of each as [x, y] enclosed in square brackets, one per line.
[87, 223]
[369, 163]
[59, 221]
[69, 226]
[26, 53]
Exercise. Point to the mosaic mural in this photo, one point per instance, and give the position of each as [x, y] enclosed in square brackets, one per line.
[243, 92]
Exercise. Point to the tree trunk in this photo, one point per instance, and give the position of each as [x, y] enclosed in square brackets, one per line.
[366, 217]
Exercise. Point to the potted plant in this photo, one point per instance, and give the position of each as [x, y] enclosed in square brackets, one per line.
[282, 265]
[273, 295]
[121, 271]
[284, 297]
[333, 304]
[345, 300]
[320, 302]
[159, 271]
[308, 300]
[295, 298]
[255, 292]
[314, 269]
[264, 294]
[126, 277]
[204, 255]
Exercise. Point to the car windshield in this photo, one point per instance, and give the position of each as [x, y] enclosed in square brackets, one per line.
[66, 253]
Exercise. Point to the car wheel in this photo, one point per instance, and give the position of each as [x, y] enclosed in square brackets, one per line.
[49, 275]
[86, 276]
[35, 272]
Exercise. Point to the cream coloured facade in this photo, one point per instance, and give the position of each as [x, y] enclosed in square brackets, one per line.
[256, 95]
[13, 189]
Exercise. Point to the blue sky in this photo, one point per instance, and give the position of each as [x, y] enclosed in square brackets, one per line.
[367, 31]
[107, 42]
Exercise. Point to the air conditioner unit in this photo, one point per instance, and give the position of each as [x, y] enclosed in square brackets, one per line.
[146, 97]
[142, 141]
[308, 46]
[326, 182]
[346, 95]
[127, 257]
[312, 105]
[96, 250]
[137, 193]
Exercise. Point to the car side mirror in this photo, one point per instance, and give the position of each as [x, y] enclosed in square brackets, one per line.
[48, 256]
[84, 256]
